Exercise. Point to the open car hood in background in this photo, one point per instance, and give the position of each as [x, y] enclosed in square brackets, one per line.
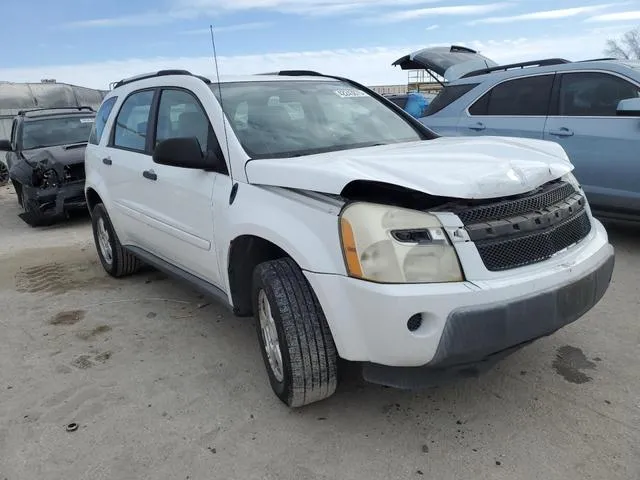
[448, 62]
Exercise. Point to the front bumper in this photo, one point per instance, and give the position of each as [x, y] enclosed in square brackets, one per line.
[464, 322]
[45, 206]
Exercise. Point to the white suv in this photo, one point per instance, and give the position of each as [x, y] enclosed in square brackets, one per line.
[348, 229]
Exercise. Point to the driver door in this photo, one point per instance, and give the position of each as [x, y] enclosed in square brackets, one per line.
[180, 200]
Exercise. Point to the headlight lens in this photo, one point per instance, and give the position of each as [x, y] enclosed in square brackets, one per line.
[396, 245]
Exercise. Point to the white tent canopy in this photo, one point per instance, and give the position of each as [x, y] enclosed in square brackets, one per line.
[23, 96]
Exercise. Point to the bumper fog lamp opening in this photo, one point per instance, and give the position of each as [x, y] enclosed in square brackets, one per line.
[415, 322]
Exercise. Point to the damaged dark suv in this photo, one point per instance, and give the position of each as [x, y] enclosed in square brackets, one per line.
[45, 159]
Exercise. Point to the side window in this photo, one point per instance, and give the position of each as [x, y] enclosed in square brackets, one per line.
[447, 96]
[180, 115]
[130, 130]
[593, 94]
[101, 119]
[521, 97]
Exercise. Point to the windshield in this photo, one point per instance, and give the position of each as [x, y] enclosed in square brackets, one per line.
[49, 132]
[293, 118]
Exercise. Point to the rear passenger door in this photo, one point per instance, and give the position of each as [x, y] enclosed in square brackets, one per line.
[602, 146]
[180, 199]
[127, 156]
[512, 108]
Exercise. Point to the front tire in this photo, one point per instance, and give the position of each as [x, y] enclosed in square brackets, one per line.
[115, 260]
[296, 343]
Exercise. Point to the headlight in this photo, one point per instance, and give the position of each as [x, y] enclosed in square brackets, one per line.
[395, 245]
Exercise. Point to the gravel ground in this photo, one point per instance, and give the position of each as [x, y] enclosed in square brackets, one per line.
[164, 385]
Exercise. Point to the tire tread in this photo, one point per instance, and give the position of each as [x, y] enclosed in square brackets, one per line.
[312, 351]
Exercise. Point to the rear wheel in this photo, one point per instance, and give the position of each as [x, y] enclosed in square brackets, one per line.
[296, 343]
[116, 261]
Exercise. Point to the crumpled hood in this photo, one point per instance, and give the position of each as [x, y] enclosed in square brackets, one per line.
[460, 167]
[61, 154]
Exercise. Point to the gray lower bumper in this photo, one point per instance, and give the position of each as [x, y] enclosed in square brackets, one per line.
[475, 339]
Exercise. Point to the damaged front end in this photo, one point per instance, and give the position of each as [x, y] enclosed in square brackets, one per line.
[48, 190]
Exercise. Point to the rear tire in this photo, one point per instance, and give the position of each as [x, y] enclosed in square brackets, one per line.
[115, 260]
[289, 320]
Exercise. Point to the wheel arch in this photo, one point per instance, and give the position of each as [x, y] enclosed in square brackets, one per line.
[245, 252]
[93, 198]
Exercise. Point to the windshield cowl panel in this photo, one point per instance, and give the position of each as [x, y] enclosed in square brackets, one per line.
[286, 119]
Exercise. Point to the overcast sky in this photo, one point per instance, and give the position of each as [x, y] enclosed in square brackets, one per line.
[75, 41]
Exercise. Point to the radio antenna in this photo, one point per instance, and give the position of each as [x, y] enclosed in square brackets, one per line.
[224, 115]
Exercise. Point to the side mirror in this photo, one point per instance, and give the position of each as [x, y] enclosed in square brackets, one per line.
[184, 152]
[629, 107]
[5, 146]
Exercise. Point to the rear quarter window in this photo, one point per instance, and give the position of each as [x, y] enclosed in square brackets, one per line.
[448, 95]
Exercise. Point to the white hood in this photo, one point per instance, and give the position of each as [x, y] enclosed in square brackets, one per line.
[460, 167]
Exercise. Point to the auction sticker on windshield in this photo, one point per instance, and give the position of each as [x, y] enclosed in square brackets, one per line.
[86, 120]
[350, 92]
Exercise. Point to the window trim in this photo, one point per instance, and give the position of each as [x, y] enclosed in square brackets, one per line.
[112, 133]
[106, 122]
[510, 79]
[555, 106]
[153, 122]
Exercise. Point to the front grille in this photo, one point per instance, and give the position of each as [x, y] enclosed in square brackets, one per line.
[544, 197]
[529, 228]
[505, 253]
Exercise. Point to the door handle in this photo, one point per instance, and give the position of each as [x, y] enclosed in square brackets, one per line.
[561, 132]
[107, 161]
[150, 174]
[477, 126]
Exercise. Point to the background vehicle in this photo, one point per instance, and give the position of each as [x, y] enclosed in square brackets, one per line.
[16, 97]
[45, 159]
[591, 108]
[414, 103]
[343, 225]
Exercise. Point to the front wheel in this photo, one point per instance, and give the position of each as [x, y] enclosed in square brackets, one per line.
[296, 343]
[116, 261]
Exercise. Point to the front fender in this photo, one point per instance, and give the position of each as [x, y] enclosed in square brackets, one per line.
[304, 227]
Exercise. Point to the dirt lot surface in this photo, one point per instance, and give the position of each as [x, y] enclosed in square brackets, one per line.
[164, 385]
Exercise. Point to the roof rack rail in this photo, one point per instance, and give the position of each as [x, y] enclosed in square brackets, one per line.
[597, 59]
[40, 109]
[159, 73]
[534, 63]
[294, 73]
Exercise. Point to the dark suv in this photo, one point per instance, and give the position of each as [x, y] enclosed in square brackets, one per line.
[45, 160]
